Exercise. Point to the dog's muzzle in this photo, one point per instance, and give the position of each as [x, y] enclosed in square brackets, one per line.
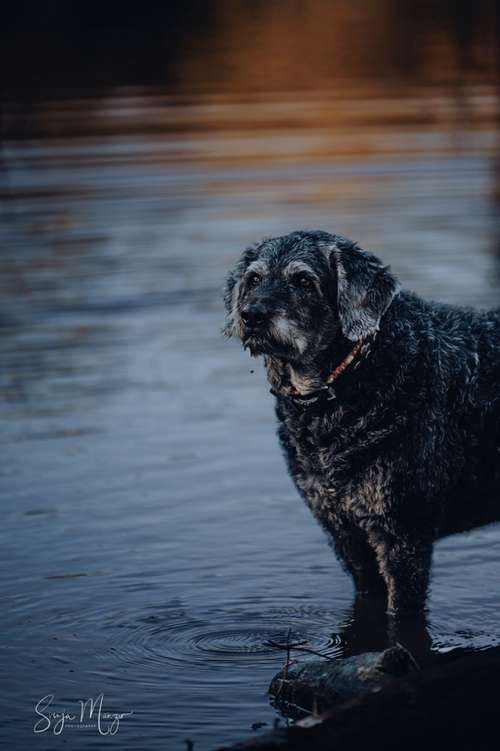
[254, 317]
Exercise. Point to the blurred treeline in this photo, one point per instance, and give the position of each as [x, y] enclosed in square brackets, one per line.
[61, 48]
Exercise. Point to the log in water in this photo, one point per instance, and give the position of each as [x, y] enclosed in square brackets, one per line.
[320, 684]
[452, 705]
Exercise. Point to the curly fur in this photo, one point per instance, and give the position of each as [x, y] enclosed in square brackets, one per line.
[405, 448]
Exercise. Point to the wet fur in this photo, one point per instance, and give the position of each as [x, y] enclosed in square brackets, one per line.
[409, 448]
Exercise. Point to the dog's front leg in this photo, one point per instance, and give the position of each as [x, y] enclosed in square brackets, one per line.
[405, 564]
[358, 558]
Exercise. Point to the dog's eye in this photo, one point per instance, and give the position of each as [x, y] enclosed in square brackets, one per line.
[253, 280]
[303, 281]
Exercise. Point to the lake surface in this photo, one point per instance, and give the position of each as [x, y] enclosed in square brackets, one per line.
[151, 540]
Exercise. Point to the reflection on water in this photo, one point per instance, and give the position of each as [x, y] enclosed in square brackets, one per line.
[151, 540]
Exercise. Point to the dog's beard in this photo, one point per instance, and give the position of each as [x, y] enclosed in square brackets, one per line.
[265, 343]
[256, 345]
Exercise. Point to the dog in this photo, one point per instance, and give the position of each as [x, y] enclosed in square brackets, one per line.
[388, 405]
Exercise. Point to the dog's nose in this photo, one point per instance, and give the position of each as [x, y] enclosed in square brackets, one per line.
[253, 316]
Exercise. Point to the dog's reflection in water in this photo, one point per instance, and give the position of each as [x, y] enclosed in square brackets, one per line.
[369, 628]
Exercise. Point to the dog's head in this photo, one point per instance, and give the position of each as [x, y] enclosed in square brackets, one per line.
[291, 296]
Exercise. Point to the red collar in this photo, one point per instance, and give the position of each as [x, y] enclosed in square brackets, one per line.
[337, 371]
[345, 362]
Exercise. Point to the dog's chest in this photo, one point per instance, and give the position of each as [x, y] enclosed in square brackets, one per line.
[335, 464]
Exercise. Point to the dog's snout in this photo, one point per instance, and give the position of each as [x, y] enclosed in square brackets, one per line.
[254, 316]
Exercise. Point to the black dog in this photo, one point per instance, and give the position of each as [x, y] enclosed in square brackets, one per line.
[389, 406]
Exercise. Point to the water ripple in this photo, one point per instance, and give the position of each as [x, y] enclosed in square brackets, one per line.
[222, 639]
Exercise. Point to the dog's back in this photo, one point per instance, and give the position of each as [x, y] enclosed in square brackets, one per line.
[469, 341]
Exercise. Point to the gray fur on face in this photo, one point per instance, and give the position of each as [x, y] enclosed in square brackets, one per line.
[406, 448]
[364, 288]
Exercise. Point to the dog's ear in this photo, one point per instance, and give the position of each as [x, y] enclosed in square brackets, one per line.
[365, 288]
[232, 288]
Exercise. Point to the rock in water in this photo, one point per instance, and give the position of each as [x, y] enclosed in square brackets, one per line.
[319, 684]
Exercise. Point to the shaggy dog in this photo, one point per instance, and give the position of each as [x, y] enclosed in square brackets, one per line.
[388, 405]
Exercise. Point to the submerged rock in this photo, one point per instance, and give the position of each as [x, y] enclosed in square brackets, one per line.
[318, 684]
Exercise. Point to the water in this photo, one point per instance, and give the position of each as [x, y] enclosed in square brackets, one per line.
[151, 540]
